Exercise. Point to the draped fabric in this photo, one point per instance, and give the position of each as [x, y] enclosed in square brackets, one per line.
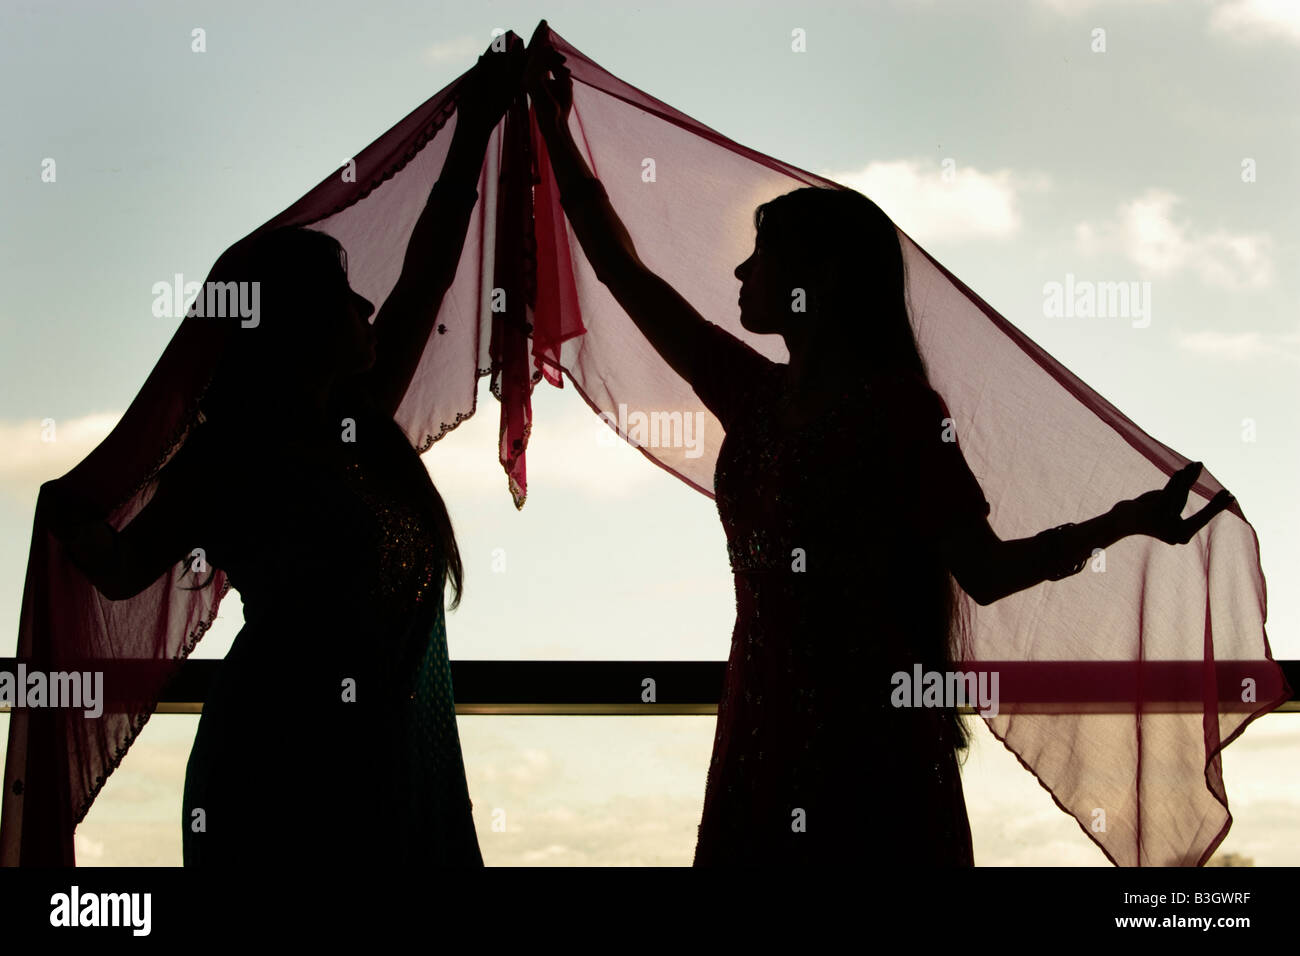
[1119, 687]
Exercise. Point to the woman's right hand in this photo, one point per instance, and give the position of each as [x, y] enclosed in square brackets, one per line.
[88, 539]
[1159, 513]
[552, 97]
[65, 512]
[491, 86]
[122, 563]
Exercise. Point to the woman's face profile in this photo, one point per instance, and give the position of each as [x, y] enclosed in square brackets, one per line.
[325, 329]
[360, 334]
[764, 307]
[349, 344]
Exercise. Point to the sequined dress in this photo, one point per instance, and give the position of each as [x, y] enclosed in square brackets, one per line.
[330, 737]
[830, 532]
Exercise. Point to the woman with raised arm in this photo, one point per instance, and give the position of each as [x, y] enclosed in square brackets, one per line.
[330, 737]
[848, 510]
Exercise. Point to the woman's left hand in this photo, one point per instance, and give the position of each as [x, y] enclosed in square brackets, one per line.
[491, 86]
[1158, 513]
[552, 98]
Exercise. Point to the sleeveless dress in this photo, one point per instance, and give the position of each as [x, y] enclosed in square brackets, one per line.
[330, 736]
[830, 532]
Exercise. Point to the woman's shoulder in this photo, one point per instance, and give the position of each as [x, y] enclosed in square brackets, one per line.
[900, 380]
[910, 390]
[219, 450]
[199, 444]
[199, 460]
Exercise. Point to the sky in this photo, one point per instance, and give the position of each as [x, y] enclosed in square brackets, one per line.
[1163, 149]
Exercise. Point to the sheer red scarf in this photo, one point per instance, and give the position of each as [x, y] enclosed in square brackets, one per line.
[1119, 688]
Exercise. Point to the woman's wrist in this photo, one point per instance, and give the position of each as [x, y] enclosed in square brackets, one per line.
[472, 127]
[1123, 518]
[559, 142]
[458, 178]
[1066, 550]
[547, 118]
[446, 189]
[1073, 544]
[66, 513]
[582, 188]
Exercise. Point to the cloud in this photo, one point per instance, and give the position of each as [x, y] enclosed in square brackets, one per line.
[1242, 346]
[36, 451]
[1070, 7]
[85, 847]
[968, 204]
[1247, 20]
[457, 49]
[534, 769]
[1144, 231]
[1257, 20]
[622, 830]
[565, 450]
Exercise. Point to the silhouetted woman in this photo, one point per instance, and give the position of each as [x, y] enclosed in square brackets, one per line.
[847, 516]
[330, 737]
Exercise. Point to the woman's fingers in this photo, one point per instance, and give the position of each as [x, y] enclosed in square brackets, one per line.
[1183, 479]
[543, 63]
[1199, 520]
[1218, 504]
[537, 66]
[553, 94]
[541, 35]
[1173, 497]
[516, 64]
[539, 46]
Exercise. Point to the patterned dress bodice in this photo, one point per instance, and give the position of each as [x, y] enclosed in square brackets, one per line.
[830, 530]
[339, 565]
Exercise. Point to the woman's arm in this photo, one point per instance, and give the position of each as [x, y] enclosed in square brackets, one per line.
[671, 324]
[989, 569]
[433, 253]
[121, 564]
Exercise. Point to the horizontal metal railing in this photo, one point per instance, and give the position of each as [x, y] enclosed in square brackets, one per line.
[694, 687]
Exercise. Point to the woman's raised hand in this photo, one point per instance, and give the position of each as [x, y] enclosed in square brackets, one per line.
[552, 98]
[492, 85]
[1157, 513]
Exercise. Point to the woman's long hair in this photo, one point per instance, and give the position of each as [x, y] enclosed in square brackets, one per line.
[847, 251]
[301, 275]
